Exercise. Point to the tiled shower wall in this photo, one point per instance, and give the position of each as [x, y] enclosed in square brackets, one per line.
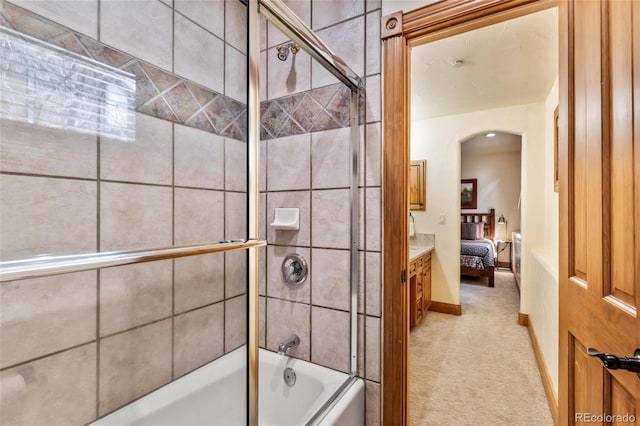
[77, 346]
[306, 167]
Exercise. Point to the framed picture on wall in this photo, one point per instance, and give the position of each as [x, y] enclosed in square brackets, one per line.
[469, 194]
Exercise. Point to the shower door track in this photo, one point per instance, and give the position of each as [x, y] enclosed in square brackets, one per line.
[42, 266]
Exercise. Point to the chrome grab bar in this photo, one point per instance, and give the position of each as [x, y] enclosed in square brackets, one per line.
[42, 266]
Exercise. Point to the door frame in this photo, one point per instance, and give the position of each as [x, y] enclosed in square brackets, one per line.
[399, 33]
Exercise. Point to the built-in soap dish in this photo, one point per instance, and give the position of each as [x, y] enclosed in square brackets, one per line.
[286, 219]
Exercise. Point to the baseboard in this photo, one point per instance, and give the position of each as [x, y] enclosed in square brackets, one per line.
[523, 319]
[446, 308]
[547, 384]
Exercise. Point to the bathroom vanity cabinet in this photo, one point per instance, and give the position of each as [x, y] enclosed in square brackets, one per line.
[420, 287]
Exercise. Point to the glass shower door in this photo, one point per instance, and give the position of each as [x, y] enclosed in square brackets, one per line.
[123, 189]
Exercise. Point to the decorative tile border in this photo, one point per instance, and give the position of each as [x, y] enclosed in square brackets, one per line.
[316, 110]
[162, 94]
[158, 93]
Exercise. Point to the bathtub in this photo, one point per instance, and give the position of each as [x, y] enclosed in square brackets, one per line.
[215, 394]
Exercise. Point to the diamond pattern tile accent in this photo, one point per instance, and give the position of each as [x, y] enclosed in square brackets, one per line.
[222, 111]
[159, 108]
[181, 101]
[307, 112]
[339, 106]
[70, 41]
[162, 79]
[201, 121]
[105, 54]
[202, 95]
[273, 118]
[319, 109]
[145, 90]
[325, 122]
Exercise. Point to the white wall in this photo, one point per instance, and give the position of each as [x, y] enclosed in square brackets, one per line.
[498, 187]
[438, 141]
[543, 313]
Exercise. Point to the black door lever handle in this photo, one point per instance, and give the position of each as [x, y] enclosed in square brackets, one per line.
[612, 362]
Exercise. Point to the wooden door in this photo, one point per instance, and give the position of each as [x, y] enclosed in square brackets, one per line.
[599, 208]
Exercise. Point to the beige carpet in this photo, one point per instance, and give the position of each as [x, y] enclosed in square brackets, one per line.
[478, 368]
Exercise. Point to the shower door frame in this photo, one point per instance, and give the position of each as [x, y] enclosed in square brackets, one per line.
[277, 12]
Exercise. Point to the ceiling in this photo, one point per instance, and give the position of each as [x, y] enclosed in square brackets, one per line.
[501, 143]
[510, 63]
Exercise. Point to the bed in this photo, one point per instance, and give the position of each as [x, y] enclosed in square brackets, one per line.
[477, 250]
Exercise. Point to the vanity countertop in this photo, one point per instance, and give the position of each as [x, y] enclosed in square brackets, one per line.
[415, 251]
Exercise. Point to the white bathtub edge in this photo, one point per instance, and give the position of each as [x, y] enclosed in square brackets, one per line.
[348, 409]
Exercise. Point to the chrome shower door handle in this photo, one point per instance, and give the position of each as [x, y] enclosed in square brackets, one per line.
[612, 362]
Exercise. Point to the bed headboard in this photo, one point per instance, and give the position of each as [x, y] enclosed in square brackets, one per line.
[489, 220]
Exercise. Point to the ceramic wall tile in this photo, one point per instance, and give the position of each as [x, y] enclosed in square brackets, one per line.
[209, 14]
[235, 215]
[235, 323]
[79, 15]
[372, 398]
[134, 216]
[374, 284]
[330, 219]
[330, 338]
[61, 386]
[43, 315]
[328, 12]
[199, 158]
[197, 216]
[46, 216]
[373, 108]
[198, 338]
[28, 148]
[236, 28]
[347, 41]
[134, 295]
[372, 368]
[289, 163]
[145, 160]
[235, 276]
[330, 159]
[133, 364]
[199, 281]
[331, 279]
[374, 44]
[197, 54]
[140, 28]
[235, 77]
[235, 165]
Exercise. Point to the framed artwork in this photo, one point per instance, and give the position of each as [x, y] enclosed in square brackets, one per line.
[469, 194]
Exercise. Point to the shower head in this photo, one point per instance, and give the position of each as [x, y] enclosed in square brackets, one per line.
[283, 50]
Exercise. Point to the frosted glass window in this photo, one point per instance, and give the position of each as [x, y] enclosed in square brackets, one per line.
[49, 86]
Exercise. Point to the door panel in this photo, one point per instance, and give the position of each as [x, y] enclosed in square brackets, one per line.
[599, 192]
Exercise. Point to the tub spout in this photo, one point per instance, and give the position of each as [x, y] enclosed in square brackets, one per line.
[291, 342]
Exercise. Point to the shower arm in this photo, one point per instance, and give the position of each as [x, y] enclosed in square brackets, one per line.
[282, 17]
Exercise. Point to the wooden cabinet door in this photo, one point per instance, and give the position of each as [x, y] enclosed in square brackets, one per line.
[426, 286]
[417, 192]
[599, 208]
